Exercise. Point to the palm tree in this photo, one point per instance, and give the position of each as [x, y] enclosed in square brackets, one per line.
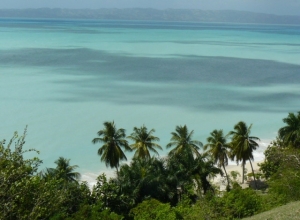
[187, 172]
[65, 171]
[113, 139]
[145, 178]
[62, 171]
[144, 141]
[202, 168]
[182, 140]
[290, 134]
[243, 145]
[218, 149]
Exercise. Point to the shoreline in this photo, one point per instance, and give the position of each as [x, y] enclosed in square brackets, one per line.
[222, 182]
[90, 177]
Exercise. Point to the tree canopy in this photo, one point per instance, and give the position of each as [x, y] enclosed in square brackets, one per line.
[175, 186]
[144, 142]
[243, 145]
[113, 140]
[219, 149]
[184, 144]
[290, 134]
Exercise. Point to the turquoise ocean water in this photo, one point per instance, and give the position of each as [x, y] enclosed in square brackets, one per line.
[64, 78]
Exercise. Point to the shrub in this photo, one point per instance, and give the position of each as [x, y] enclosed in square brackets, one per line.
[240, 203]
[153, 209]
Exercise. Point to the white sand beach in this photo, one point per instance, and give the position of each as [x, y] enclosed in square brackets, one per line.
[222, 182]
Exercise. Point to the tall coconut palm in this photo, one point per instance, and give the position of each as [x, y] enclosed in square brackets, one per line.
[144, 142]
[62, 171]
[290, 133]
[182, 140]
[243, 145]
[65, 171]
[113, 139]
[202, 168]
[219, 150]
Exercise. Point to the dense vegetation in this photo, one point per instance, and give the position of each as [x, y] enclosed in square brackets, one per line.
[149, 187]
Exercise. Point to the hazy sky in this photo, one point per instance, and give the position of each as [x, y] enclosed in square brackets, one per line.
[288, 7]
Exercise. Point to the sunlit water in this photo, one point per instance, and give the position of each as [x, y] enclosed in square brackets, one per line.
[65, 78]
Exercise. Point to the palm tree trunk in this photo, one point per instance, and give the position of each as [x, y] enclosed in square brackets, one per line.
[226, 177]
[117, 172]
[243, 172]
[253, 174]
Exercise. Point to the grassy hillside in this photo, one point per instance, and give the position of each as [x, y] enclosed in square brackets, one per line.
[290, 211]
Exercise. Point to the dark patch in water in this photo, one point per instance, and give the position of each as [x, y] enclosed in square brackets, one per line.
[181, 69]
[196, 82]
[219, 43]
[63, 25]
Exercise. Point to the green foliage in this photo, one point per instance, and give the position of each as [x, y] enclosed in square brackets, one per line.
[92, 213]
[236, 204]
[182, 140]
[202, 209]
[290, 134]
[23, 194]
[282, 168]
[219, 150]
[239, 203]
[234, 175]
[175, 187]
[243, 145]
[152, 209]
[106, 215]
[144, 142]
[65, 171]
[113, 139]
[274, 157]
[75, 196]
[285, 182]
[147, 178]
[107, 194]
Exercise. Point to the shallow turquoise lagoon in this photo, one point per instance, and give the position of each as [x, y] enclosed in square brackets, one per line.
[64, 78]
